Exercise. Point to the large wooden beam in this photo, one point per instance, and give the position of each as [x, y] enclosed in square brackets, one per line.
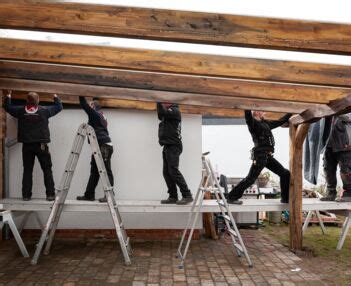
[297, 137]
[154, 95]
[194, 27]
[170, 82]
[175, 62]
[147, 106]
[335, 107]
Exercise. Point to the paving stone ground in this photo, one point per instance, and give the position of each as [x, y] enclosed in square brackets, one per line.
[100, 262]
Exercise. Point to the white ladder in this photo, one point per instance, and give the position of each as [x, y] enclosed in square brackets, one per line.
[48, 232]
[209, 183]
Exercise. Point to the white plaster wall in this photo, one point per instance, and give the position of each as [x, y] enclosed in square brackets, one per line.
[136, 164]
[230, 147]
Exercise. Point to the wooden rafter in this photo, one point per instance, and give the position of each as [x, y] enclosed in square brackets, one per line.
[154, 95]
[335, 107]
[175, 62]
[194, 27]
[170, 82]
[147, 106]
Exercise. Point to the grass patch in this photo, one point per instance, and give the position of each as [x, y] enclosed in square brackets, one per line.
[333, 266]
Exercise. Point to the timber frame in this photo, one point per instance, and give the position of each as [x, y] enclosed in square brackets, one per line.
[201, 84]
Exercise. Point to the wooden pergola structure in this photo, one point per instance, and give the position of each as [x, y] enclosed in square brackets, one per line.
[202, 84]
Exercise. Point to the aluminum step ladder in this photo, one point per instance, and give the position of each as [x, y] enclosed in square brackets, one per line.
[48, 232]
[210, 183]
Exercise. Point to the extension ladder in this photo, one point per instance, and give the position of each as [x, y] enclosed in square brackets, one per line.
[209, 183]
[48, 232]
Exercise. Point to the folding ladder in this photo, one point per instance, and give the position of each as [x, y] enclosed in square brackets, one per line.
[48, 232]
[209, 183]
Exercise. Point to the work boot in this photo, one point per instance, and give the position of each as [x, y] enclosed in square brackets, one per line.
[185, 200]
[234, 201]
[50, 197]
[84, 198]
[170, 200]
[329, 197]
[344, 199]
[103, 200]
[26, 199]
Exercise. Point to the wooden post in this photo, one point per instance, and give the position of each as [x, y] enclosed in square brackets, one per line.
[207, 218]
[297, 137]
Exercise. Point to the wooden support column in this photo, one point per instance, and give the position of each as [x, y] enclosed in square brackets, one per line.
[297, 137]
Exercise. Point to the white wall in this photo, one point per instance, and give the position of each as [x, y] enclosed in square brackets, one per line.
[230, 147]
[136, 164]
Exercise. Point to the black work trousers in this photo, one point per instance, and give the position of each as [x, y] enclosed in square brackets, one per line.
[261, 160]
[41, 151]
[171, 173]
[330, 163]
[106, 152]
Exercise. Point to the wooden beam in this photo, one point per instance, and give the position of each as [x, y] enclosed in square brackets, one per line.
[182, 26]
[335, 107]
[175, 62]
[153, 95]
[297, 137]
[170, 82]
[147, 106]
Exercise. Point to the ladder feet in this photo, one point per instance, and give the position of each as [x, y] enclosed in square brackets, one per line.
[33, 262]
[250, 265]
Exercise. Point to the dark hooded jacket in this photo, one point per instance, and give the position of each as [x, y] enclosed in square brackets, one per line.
[33, 122]
[169, 131]
[97, 120]
[340, 134]
[261, 131]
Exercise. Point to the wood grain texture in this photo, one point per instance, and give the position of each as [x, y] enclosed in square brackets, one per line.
[147, 106]
[297, 137]
[170, 82]
[154, 96]
[176, 62]
[335, 107]
[182, 26]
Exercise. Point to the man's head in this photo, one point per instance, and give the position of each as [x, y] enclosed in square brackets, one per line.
[95, 104]
[258, 114]
[32, 98]
[169, 104]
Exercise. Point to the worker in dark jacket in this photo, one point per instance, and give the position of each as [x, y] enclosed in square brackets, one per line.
[338, 152]
[262, 155]
[34, 133]
[98, 121]
[169, 134]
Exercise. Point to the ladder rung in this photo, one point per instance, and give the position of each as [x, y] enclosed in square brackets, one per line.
[227, 217]
[221, 204]
[239, 247]
[232, 232]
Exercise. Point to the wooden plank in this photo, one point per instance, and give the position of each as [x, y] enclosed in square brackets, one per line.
[175, 62]
[171, 25]
[149, 106]
[170, 82]
[297, 137]
[153, 96]
[335, 107]
[137, 206]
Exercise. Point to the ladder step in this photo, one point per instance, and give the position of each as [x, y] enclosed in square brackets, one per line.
[239, 247]
[227, 217]
[221, 204]
[232, 232]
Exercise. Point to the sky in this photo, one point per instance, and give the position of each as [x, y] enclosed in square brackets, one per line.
[327, 11]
